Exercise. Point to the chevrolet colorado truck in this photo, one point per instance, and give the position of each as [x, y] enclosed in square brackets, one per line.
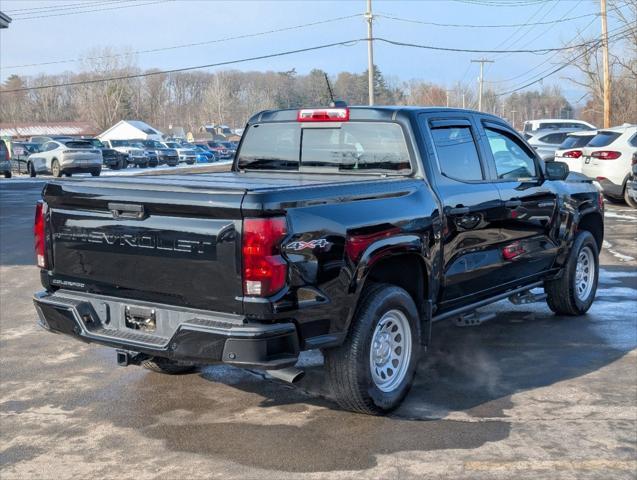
[350, 230]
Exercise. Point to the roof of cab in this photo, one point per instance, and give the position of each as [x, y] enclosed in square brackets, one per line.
[361, 113]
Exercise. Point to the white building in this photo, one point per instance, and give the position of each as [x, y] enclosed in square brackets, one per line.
[129, 130]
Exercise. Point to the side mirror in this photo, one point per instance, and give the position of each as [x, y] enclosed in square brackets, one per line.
[556, 170]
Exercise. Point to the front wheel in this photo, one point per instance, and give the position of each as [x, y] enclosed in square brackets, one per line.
[573, 293]
[31, 170]
[96, 173]
[7, 174]
[373, 370]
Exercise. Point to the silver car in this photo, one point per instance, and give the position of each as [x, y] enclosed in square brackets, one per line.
[65, 157]
[546, 142]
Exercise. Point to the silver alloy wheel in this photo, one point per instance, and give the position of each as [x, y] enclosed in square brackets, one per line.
[584, 273]
[390, 352]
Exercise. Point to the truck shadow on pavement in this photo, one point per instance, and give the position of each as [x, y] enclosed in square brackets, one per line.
[459, 401]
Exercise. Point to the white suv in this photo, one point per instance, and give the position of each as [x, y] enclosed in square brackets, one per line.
[570, 150]
[608, 157]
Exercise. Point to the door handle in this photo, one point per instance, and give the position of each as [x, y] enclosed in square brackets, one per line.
[459, 211]
[512, 203]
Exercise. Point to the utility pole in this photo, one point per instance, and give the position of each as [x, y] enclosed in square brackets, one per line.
[513, 112]
[447, 92]
[370, 52]
[481, 61]
[463, 100]
[607, 86]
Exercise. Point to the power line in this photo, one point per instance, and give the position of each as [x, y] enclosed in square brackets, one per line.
[596, 44]
[464, 25]
[617, 34]
[187, 45]
[184, 69]
[541, 51]
[68, 6]
[542, 63]
[117, 7]
[47, 7]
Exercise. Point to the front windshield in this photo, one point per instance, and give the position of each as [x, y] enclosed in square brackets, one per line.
[172, 145]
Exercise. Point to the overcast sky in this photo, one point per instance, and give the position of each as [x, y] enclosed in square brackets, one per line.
[168, 23]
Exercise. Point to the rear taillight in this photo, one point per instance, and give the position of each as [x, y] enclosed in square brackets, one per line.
[606, 155]
[39, 232]
[323, 115]
[264, 270]
[572, 154]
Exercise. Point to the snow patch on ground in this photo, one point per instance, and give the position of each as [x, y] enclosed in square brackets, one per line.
[619, 256]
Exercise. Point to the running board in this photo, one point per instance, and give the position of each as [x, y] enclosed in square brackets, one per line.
[459, 312]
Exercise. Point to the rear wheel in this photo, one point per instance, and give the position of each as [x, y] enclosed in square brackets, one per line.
[573, 293]
[56, 170]
[7, 174]
[31, 170]
[169, 367]
[96, 173]
[630, 201]
[374, 368]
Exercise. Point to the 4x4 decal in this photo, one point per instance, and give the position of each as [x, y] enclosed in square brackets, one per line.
[301, 245]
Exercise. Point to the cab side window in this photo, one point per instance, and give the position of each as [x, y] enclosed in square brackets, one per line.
[457, 153]
[512, 159]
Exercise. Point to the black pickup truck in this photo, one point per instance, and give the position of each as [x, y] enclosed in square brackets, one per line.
[349, 230]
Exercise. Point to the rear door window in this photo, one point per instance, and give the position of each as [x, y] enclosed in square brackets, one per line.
[457, 153]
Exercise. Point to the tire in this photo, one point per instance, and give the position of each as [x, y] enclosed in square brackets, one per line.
[31, 170]
[168, 367]
[350, 366]
[115, 166]
[123, 163]
[56, 170]
[630, 201]
[7, 174]
[566, 295]
[96, 173]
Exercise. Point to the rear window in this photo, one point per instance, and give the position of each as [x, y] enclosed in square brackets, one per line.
[343, 147]
[575, 141]
[553, 138]
[603, 139]
[78, 144]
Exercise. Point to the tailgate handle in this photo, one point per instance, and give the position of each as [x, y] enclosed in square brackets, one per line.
[126, 210]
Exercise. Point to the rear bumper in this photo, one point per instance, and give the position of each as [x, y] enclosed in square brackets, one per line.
[224, 338]
[610, 188]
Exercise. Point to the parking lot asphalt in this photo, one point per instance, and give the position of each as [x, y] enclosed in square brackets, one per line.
[527, 395]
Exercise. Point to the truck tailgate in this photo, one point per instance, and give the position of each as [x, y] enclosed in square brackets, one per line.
[147, 240]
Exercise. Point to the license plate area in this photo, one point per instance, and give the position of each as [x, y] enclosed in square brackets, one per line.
[140, 318]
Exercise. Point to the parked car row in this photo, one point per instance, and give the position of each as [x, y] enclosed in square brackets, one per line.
[605, 155]
[64, 155]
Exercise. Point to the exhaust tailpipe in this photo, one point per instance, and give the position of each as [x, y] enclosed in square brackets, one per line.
[289, 375]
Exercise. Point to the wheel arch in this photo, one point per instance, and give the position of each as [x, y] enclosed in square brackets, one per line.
[593, 223]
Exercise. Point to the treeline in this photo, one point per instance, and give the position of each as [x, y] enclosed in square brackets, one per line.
[193, 99]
